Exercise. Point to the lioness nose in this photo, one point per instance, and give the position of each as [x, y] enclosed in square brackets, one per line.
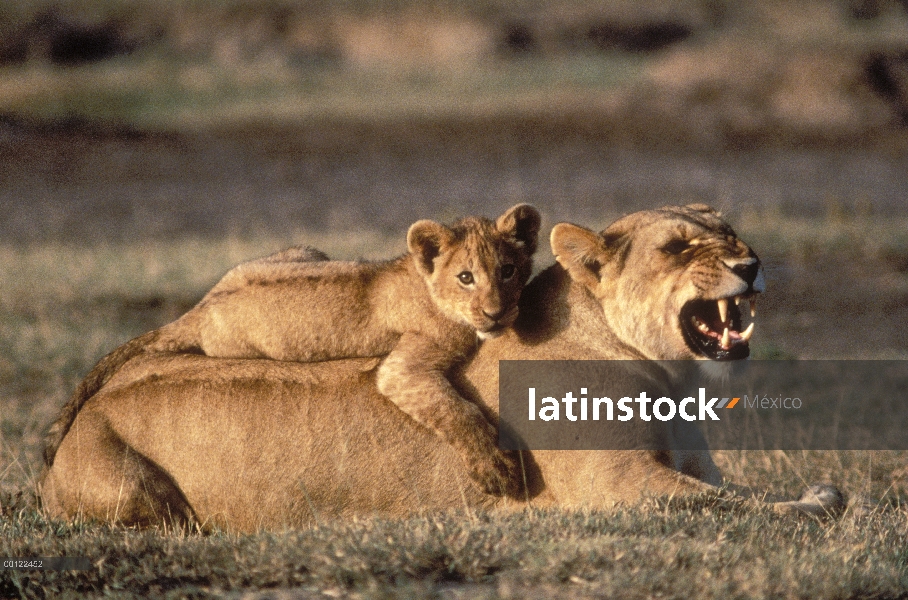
[747, 271]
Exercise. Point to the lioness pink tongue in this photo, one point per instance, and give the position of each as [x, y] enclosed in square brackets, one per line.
[729, 337]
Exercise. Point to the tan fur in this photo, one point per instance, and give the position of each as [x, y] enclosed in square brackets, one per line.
[147, 342]
[262, 444]
[423, 310]
[640, 286]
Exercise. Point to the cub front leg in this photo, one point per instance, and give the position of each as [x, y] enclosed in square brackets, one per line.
[413, 377]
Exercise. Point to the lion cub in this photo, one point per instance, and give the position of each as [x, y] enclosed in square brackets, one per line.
[425, 310]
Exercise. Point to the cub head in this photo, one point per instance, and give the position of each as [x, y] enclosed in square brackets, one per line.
[675, 283]
[476, 269]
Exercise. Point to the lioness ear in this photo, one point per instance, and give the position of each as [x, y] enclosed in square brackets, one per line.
[425, 240]
[521, 222]
[580, 251]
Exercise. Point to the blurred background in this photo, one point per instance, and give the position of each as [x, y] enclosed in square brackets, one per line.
[129, 119]
[148, 145]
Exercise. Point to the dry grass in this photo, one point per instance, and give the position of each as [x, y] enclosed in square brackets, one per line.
[696, 549]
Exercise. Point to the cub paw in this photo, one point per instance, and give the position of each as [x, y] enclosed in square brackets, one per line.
[496, 471]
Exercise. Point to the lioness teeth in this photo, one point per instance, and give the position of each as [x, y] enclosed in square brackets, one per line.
[700, 325]
[729, 336]
[745, 335]
[723, 310]
[737, 300]
[753, 307]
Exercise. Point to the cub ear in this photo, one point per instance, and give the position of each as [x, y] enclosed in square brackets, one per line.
[425, 239]
[521, 222]
[580, 251]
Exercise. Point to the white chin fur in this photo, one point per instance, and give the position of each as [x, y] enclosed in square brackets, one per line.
[715, 370]
[488, 335]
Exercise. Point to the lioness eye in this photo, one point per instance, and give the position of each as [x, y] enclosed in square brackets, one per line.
[507, 271]
[465, 278]
[675, 247]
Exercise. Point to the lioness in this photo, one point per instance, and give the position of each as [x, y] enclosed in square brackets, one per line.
[425, 310]
[263, 444]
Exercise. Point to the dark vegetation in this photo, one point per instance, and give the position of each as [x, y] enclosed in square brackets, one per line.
[707, 72]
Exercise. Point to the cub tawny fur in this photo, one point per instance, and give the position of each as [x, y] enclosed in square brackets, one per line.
[425, 310]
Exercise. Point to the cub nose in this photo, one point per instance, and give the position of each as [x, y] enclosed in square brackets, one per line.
[494, 315]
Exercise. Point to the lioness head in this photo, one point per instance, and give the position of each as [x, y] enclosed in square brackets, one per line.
[477, 268]
[673, 282]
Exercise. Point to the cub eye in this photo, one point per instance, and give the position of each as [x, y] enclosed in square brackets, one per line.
[675, 247]
[507, 271]
[465, 277]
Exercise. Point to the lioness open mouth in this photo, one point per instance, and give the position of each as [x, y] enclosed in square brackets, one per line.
[712, 328]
